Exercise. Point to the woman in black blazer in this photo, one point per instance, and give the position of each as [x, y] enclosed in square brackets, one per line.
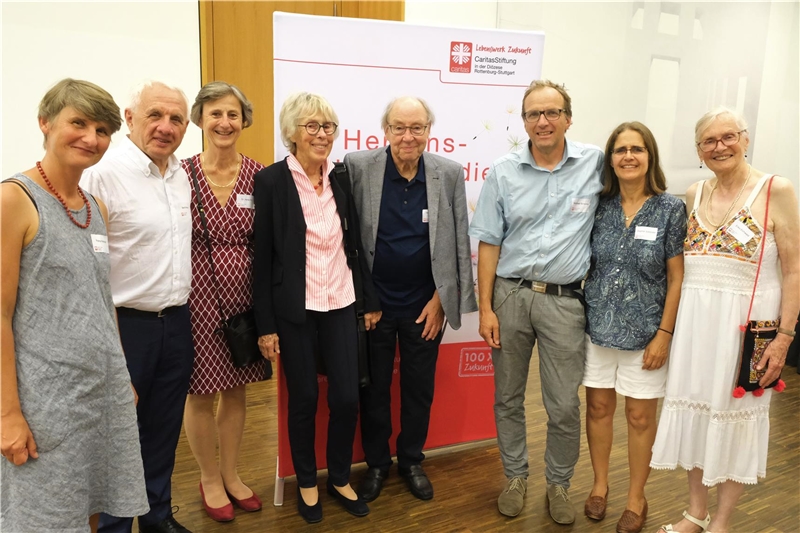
[306, 243]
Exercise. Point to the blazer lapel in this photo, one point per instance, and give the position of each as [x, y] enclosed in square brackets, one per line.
[433, 186]
[375, 173]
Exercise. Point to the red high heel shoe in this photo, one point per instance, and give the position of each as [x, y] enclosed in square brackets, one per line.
[251, 504]
[220, 514]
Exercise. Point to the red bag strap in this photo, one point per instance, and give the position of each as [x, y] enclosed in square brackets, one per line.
[761, 255]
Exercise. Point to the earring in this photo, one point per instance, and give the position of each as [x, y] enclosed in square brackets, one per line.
[701, 163]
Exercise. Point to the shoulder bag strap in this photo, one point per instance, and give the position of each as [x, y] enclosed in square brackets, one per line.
[343, 179]
[202, 212]
[760, 256]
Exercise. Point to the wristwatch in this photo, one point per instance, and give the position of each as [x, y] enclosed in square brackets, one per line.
[789, 332]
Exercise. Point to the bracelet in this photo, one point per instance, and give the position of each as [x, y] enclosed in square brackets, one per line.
[667, 331]
[789, 332]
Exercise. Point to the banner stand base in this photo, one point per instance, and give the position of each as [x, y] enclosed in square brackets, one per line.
[277, 499]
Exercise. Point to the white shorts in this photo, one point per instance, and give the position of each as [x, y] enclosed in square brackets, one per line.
[609, 368]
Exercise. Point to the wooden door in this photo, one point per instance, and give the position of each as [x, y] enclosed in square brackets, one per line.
[236, 47]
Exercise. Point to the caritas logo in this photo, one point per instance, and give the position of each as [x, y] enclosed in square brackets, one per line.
[460, 57]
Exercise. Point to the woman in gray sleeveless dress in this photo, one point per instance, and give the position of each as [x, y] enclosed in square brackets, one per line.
[69, 437]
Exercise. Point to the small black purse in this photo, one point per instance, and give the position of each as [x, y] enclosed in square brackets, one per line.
[239, 331]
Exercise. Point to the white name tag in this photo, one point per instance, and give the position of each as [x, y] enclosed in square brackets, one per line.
[646, 233]
[245, 201]
[425, 216]
[185, 211]
[100, 243]
[740, 232]
[580, 205]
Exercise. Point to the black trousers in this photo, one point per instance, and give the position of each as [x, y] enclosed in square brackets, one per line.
[160, 357]
[335, 335]
[417, 376]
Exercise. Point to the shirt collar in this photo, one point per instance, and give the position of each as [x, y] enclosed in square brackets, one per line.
[571, 150]
[420, 177]
[295, 164]
[144, 163]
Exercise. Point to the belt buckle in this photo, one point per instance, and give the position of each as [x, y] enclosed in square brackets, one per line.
[538, 286]
[162, 313]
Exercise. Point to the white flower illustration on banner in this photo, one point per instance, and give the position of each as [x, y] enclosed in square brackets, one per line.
[461, 53]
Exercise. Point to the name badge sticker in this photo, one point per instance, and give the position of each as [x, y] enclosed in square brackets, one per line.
[184, 211]
[245, 201]
[646, 233]
[425, 216]
[740, 232]
[100, 243]
[580, 205]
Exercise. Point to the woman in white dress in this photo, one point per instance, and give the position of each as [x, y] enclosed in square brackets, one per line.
[719, 439]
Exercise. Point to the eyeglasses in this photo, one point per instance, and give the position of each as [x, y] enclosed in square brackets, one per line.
[622, 151]
[550, 114]
[313, 127]
[729, 139]
[416, 130]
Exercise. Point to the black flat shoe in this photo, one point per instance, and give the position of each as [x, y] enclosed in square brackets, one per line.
[372, 483]
[418, 482]
[310, 513]
[354, 507]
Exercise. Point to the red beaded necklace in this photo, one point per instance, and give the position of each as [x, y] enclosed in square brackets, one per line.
[60, 199]
[319, 183]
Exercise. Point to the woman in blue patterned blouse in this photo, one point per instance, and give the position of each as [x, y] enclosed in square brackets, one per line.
[632, 296]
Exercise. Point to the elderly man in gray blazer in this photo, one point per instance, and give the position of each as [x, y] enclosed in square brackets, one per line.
[413, 211]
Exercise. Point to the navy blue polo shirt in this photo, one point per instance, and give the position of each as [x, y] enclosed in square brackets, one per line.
[401, 270]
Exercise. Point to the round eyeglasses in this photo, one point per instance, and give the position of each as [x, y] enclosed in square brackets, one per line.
[313, 127]
[729, 139]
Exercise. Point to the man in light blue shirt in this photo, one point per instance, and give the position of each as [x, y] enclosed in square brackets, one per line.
[533, 220]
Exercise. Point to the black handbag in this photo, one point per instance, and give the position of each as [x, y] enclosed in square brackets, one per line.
[239, 331]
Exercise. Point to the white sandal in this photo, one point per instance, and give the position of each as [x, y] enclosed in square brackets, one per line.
[696, 521]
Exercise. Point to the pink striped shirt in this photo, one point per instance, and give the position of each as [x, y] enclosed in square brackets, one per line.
[329, 282]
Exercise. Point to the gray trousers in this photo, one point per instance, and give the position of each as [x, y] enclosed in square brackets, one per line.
[558, 323]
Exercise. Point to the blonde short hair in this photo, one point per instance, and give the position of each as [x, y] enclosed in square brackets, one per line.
[299, 106]
[91, 100]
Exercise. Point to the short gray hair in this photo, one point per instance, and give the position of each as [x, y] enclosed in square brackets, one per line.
[390, 106]
[299, 106]
[706, 120]
[216, 90]
[136, 93]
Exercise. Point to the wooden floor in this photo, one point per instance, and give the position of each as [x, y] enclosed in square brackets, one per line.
[467, 480]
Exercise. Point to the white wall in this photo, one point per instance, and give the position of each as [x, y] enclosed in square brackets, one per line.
[114, 45]
[604, 60]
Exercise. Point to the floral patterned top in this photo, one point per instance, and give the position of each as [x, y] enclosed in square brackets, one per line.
[627, 283]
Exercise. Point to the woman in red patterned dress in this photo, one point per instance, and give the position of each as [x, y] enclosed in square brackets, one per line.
[225, 180]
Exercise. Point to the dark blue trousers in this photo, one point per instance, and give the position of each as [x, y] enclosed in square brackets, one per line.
[417, 377]
[160, 356]
[335, 334]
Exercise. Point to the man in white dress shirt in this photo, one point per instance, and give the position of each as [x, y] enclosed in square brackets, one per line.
[149, 239]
